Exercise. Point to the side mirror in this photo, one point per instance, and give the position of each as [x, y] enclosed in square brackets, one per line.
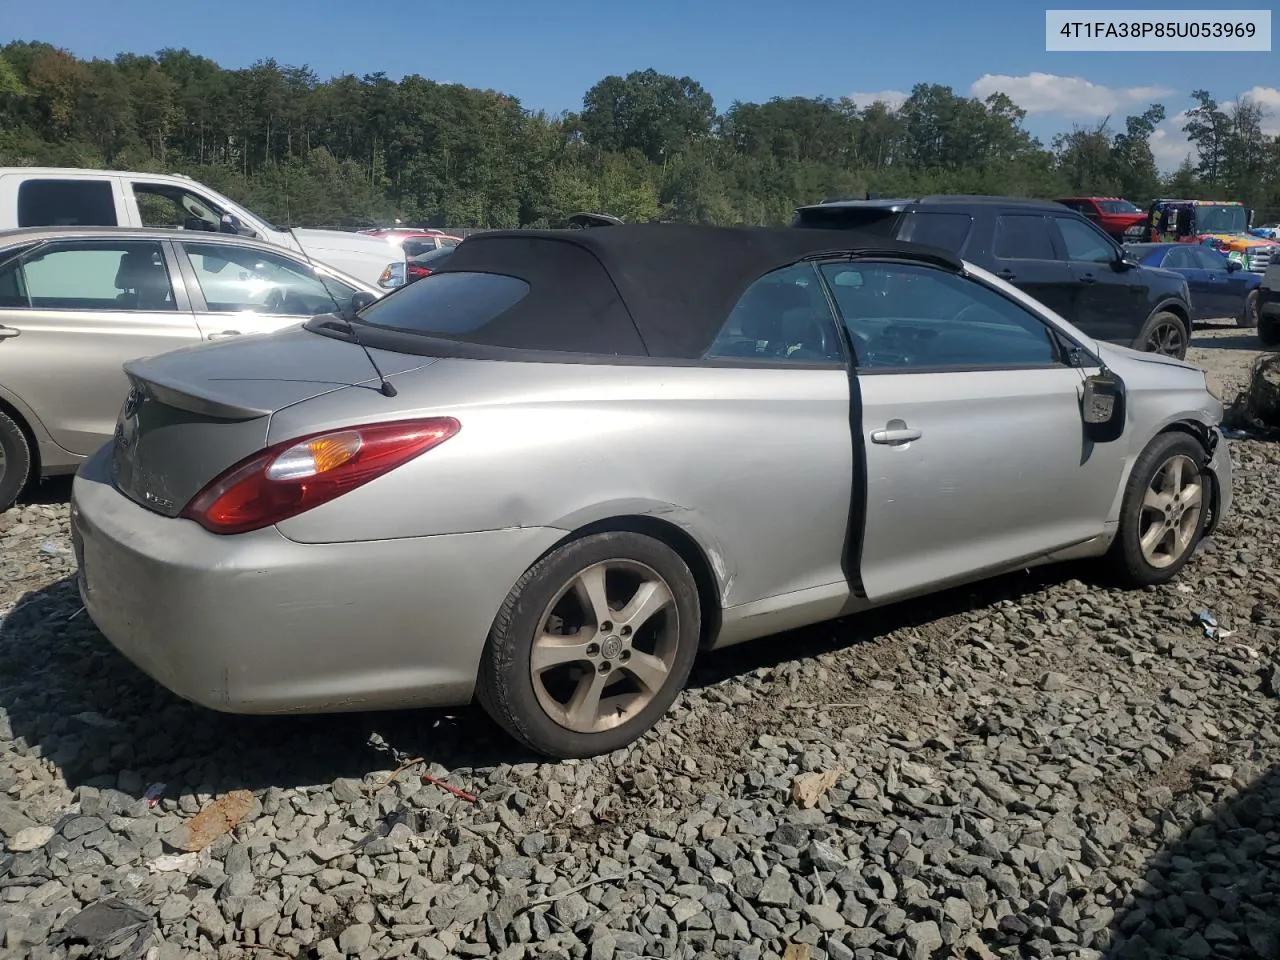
[1125, 260]
[1102, 407]
[1233, 266]
[360, 300]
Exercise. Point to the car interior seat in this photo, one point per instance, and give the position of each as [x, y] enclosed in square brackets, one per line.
[144, 282]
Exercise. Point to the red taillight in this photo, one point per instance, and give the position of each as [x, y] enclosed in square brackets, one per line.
[417, 271]
[294, 476]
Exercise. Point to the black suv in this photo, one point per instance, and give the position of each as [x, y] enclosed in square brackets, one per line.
[1046, 250]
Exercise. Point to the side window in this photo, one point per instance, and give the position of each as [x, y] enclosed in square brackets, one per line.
[946, 230]
[13, 287]
[162, 205]
[1178, 258]
[66, 203]
[909, 317]
[1084, 244]
[1207, 259]
[236, 279]
[783, 316]
[112, 275]
[1023, 236]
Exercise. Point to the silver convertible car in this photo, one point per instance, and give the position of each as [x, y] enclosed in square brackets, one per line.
[549, 474]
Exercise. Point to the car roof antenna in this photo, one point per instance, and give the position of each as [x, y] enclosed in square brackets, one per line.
[345, 314]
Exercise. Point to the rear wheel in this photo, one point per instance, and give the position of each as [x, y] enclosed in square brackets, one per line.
[1269, 331]
[1163, 333]
[15, 461]
[1162, 517]
[1249, 316]
[592, 645]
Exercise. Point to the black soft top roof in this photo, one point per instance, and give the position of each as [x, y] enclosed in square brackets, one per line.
[657, 290]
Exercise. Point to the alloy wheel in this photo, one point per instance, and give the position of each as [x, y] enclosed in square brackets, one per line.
[1170, 513]
[1166, 338]
[606, 645]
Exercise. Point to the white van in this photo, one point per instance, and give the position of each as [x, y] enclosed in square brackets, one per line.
[52, 196]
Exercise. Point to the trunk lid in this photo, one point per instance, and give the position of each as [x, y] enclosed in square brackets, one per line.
[192, 413]
[323, 244]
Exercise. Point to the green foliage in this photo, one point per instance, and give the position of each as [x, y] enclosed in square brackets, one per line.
[352, 151]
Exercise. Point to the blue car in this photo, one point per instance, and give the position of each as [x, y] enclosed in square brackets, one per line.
[1220, 288]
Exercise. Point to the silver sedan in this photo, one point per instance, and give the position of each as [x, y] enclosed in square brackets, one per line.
[78, 302]
[549, 474]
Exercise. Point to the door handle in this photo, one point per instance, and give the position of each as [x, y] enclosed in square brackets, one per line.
[1088, 278]
[224, 334]
[895, 432]
[7, 332]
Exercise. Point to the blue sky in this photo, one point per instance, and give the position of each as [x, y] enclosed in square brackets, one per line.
[548, 54]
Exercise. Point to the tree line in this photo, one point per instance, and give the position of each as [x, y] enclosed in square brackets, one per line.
[353, 151]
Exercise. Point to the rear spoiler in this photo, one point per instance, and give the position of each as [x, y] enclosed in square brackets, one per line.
[217, 401]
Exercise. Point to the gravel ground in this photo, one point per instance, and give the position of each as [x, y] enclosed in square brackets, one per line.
[1032, 767]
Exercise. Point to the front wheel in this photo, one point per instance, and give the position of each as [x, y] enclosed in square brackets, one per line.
[592, 645]
[1163, 515]
[1248, 318]
[15, 461]
[1163, 333]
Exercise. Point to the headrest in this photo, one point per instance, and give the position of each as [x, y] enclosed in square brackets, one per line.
[137, 268]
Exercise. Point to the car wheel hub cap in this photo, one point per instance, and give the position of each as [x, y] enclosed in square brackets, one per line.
[605, 646]
[1171, 509]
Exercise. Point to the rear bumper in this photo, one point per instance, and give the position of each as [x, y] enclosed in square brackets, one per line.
[257, 623]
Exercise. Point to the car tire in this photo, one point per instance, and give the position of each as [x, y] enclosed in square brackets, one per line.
[548, 709]
[15, 461]
[1269, 331]
[1248, 318]
[1169, 489]
[1163, 327]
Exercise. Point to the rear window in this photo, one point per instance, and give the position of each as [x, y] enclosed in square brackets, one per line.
[448, 304]
[1117, 206]
[66, 203]
[946, 230]
[876, 221]
[417, 246]
[434, 256]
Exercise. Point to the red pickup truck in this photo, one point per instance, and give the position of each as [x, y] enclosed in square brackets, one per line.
[1114, 215]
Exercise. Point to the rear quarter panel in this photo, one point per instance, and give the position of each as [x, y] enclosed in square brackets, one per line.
[755, 464]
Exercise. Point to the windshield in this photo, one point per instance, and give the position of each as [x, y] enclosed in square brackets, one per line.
[1215, 218]
[1117, 206]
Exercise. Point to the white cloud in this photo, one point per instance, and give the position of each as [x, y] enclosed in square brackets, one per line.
[1170, 146]
[1268, 98]
[894, 98]
[1066, 96]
